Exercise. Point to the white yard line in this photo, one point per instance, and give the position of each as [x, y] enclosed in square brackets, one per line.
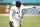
[4, 14]
[24, 15]
[30, 15]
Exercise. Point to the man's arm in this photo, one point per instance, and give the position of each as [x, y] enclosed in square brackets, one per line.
[30, 7]
[10, 14]
[10, 18]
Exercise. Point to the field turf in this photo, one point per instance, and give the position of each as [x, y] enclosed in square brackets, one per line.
[28, 21]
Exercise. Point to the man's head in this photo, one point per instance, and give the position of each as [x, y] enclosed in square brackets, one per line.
[18, 3]
[22, 4]
[7, 4]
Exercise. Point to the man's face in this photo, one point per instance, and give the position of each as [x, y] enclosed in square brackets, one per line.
[18, 5]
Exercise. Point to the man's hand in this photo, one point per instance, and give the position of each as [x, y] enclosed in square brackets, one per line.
[11, 24]
[34, 7]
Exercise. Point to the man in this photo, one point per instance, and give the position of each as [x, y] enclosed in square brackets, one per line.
[16, 14]
[7, 8]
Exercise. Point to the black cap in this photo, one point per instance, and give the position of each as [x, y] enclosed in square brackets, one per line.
[17, 2]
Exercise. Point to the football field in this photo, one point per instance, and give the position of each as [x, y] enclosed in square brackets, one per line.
[28, 21]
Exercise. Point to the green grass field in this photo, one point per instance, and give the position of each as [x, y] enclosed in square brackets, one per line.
[28, 21]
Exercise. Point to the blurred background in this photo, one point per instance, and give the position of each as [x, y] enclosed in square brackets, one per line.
[5, 6]
[31, 16]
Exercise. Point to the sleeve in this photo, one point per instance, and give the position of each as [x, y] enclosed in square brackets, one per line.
[24, 7]
[10, 15]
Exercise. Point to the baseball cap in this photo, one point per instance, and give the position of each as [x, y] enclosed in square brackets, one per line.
[17, 2]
